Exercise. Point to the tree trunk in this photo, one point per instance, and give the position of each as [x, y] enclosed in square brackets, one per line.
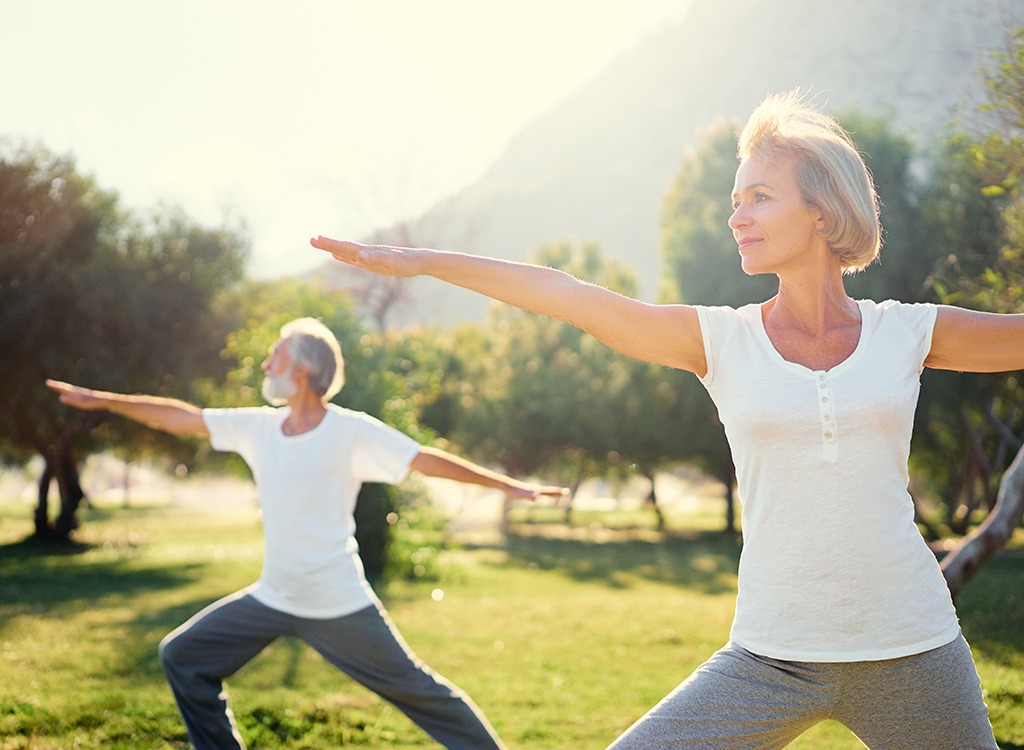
[71, 494]
[55, 443]
[960, 565]
[730, 508]
[571, 500]
[42, 513]
[652, 500]
[60, 465]
[728, 478]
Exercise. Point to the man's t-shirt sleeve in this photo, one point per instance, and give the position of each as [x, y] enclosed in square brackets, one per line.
[233, 429]
[382, 453]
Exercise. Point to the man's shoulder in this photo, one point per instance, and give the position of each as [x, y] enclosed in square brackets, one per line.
[242, 416]
[228, 412]
[352, 419]
[343, 416]
[340, 412]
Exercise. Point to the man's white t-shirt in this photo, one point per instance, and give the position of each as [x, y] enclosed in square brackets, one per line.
[308, 485]
[833, 567]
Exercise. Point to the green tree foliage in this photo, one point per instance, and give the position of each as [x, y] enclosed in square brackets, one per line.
[92, 295]
[974, 423]
[533, 388]
[541, 397]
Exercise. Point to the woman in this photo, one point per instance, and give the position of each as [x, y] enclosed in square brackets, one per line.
[842, 611]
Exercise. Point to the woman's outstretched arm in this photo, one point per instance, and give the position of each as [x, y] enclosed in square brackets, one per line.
[972, 341]
[666, 334]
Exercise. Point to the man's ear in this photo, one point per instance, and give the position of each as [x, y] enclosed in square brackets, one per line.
[300, 373]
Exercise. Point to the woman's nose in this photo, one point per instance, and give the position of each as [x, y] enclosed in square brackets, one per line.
[738, 218]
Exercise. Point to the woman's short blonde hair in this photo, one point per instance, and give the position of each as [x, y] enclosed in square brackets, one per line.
[832, 175]
[311, 343]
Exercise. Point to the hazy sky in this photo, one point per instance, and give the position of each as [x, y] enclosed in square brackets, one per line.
[298, 117]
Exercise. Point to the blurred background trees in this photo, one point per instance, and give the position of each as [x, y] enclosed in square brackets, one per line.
[155, 303]
[94, 295]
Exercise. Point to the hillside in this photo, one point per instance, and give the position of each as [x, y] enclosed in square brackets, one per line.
[596, 166]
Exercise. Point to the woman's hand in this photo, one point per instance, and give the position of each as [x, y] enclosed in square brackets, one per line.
[382, 259]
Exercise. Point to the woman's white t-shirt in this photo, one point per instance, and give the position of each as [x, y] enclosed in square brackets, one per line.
[833, 567]
[308, 485]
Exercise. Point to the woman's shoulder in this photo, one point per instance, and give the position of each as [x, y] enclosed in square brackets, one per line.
[897, 306]
[727, 313]
[916, 319]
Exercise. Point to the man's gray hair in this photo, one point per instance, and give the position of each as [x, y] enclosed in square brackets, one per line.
[312, 345]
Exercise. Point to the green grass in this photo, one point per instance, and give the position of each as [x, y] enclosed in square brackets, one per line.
[563, 639]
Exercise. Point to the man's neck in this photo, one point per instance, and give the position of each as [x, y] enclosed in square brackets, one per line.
[307, 411]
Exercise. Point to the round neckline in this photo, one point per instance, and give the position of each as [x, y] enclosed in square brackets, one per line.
[286, 412]
[777, 356]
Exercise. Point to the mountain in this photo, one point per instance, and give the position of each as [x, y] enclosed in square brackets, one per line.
[596, 166]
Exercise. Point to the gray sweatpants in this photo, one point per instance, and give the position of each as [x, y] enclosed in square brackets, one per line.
[222, 638]
[741, 701]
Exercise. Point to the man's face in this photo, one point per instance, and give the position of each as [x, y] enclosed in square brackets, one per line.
[278, 384]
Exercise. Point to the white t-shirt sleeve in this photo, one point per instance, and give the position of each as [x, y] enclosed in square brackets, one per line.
[919, 319]
[235, 430]
[381, 453]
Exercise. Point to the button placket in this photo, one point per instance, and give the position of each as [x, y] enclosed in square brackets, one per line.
[827, 416]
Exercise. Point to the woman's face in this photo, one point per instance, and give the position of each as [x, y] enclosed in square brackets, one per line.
[773, 228]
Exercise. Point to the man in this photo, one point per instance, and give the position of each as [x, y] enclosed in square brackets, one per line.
[309, 459]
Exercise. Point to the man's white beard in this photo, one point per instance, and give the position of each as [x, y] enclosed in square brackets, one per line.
[277, 389]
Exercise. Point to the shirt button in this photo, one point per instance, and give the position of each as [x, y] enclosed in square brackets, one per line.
[828, 417]
[828, 435]
[824, 399]
[823, 385]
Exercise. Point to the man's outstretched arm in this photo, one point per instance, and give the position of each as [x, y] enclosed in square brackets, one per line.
[438, 463]
[165, 414]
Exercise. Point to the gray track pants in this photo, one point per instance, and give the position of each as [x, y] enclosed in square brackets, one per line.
[740, 701]
[221, 639]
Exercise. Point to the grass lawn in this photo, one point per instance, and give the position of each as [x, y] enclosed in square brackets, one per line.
[563, 639]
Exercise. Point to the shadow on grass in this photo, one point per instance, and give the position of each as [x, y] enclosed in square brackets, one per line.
[41, 577]
[991, 608]
[706, 562]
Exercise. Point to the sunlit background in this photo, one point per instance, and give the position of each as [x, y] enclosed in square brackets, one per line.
[300, 117]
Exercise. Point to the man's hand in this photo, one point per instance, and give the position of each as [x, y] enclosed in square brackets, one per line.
[80, 398]
[438, 463]
[533, 492]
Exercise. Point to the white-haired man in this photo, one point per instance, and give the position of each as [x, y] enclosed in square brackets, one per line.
[308, 459]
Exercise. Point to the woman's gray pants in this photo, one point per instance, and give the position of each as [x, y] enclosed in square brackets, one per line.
[741, 701]
[221, 639]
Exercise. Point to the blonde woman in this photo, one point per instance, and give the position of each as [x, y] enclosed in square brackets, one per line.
[842, 611]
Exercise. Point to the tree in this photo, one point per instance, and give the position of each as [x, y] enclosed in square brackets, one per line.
[522, 391]
[92, 295]
[995, 158]
[541, 396]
